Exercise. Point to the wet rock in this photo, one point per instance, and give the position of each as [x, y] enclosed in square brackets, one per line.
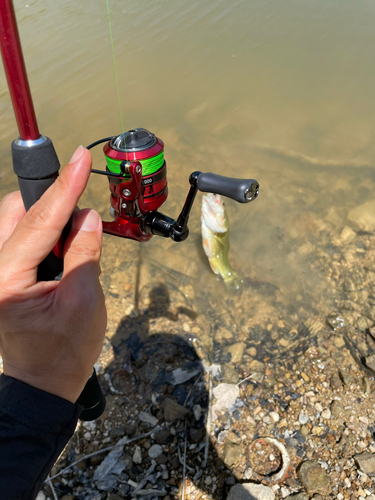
[235, 351]
[336, 381]
[347, 235]
[298, 496]
[370, 362]
[232, 453]
[314, 478]
[114, 496]
[337, 321]
[347, 377]
[155, 451]
[257, 366]
[230, 375]
[250, 491]
[363, 216]
[366, 462]
[182, 375]
[173, 411]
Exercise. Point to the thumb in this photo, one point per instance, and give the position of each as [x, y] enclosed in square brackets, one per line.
[82, 249]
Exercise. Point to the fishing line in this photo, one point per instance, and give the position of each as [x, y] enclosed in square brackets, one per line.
[114, 64]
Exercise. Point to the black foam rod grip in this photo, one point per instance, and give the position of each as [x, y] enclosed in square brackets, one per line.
[241, 190]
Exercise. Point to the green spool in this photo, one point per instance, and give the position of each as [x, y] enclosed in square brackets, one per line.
[149, 166]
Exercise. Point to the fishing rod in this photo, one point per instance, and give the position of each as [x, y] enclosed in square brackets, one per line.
[36, 165]
[135, 168]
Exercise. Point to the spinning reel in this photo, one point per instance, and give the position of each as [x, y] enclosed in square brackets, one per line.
[137, 174]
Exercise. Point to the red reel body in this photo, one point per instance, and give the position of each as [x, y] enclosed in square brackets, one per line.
[139, 185]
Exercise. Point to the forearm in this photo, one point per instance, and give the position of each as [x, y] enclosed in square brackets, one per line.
[34, 428]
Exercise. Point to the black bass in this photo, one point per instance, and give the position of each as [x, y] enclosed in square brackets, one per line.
[215, 238]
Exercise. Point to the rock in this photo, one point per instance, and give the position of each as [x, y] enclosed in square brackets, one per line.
[336, 381]
[196, 435]
[250, 491]
[336, 408]
[347, 377]
[162, 459]
[314, 478]
[197, 410]
[257, 366]
[370, 362]
[114, 496]
[182, 375]
[236, 351]
[303, 419]
[326, 414]
[230, 375]
[137, 456]
[274, 416]
[147, 418]
[225, 395]
[232, 453]
[130, 430]
[366, 462]
[173, 411]
[299, 496]
[117, 432]
[155, 451]
[347, 235]
[162, 436]
[337, 321]
[41, 496]
[66, 497]
[363, 216]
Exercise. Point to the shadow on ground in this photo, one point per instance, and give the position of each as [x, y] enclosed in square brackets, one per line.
[163, 377]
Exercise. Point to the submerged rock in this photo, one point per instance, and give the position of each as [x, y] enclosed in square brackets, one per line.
[363, 216]
[173, 411]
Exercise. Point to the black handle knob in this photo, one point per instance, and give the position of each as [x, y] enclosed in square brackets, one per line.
[91, 399]
[241, 190]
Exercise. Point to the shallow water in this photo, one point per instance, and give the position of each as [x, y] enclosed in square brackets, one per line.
[283, 92]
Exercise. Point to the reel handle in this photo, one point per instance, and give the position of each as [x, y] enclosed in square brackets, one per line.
[241, 190]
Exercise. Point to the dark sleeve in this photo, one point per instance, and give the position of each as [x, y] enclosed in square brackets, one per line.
[34, 429]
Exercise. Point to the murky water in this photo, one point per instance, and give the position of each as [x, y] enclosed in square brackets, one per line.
[283, 92]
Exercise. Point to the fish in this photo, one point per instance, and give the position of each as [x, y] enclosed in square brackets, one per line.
[215, 238]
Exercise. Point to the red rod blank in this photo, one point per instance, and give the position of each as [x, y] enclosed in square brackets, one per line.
[15, 71]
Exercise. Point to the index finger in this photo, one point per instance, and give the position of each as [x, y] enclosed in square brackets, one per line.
[40, 228]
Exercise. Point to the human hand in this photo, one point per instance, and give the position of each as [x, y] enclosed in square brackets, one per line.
[51, 333]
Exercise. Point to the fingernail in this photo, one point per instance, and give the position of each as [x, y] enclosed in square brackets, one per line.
[77, 154]
[91, 221]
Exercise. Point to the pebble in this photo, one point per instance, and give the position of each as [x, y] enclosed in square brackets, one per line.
[155, 451]
[303, 419]
[250, 491]
[137, 457]
[326, 414]
[41, 496]
[208, 480]
[275, 417]
[173, 411]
